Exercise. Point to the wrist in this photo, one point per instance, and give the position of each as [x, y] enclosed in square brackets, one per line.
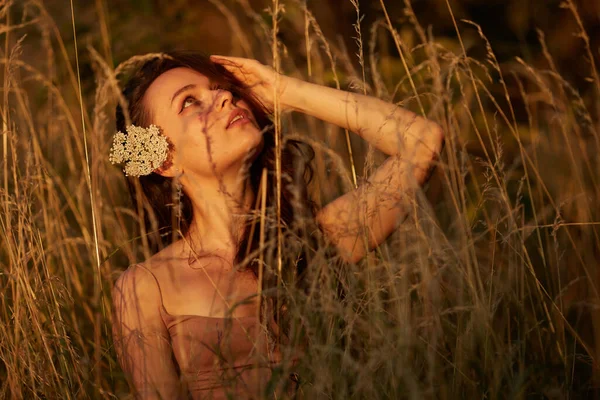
[291, 96]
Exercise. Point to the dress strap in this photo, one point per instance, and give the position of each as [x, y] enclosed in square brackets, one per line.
[162, 308]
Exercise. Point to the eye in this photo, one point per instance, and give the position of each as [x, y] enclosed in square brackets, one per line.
[188, 101]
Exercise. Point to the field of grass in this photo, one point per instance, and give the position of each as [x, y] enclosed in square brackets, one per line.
[489, 288]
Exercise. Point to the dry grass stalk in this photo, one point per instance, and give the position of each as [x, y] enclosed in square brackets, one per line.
[483, 287]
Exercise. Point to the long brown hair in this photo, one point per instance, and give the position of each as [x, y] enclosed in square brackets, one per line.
[156, 194]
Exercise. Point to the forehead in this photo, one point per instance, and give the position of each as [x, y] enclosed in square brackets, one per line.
[162, 89]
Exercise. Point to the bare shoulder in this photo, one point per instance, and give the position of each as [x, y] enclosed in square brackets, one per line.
[150, 268]
[205, 286]
[141, 280]
[135, 288]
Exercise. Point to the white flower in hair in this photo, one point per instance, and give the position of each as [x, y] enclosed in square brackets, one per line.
[142, 150]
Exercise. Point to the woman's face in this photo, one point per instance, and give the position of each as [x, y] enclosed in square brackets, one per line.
[210, 134]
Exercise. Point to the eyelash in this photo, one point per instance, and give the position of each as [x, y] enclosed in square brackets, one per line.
[214, 86]
[184, 101]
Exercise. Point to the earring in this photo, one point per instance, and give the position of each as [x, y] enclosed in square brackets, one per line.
[178, 196]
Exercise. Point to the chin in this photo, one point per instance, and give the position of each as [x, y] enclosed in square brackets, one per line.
[255, 151]
[242, 157]
[249, 145]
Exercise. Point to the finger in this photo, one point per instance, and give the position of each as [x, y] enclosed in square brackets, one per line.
[228, 61]
[229, 65]
[238, 60]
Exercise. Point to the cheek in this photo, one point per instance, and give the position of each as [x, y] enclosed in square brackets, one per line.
[196, 146]
[195, 134]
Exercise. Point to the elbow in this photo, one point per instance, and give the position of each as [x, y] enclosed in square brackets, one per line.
[442, 138]
[433, 143]
[437, 138]
[429, 141]
[428, 152]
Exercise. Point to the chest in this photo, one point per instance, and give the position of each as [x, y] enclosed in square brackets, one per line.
[209, 290]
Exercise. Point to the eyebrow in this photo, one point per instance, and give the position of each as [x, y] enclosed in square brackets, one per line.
[183, 89]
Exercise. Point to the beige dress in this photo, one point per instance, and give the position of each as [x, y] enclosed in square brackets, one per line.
[189, 356]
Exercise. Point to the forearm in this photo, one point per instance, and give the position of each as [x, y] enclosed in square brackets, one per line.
[388, 127]
[374, 210]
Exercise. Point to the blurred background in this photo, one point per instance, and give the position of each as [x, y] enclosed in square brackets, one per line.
[496, 273]
[120, 29]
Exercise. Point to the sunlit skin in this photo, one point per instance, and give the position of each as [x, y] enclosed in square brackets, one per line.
[211, 162]
[208, 156]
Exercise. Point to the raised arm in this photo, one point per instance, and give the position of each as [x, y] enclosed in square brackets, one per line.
[362, 219]
[140, 337]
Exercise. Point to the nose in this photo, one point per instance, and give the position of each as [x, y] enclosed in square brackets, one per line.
[223, 97]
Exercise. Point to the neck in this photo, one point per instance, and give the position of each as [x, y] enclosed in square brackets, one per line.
[220, 207]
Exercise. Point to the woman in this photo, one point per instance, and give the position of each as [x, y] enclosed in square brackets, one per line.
[186, 320]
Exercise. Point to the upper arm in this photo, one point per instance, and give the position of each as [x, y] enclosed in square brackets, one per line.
[362, 219]
[140, 337]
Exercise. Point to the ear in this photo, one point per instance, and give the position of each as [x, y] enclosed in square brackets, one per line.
[170, 172]
[168, 169]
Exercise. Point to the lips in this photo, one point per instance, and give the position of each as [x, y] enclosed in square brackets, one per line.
[236, 115]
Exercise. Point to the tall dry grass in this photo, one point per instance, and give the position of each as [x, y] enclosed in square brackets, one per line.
[489, 288]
